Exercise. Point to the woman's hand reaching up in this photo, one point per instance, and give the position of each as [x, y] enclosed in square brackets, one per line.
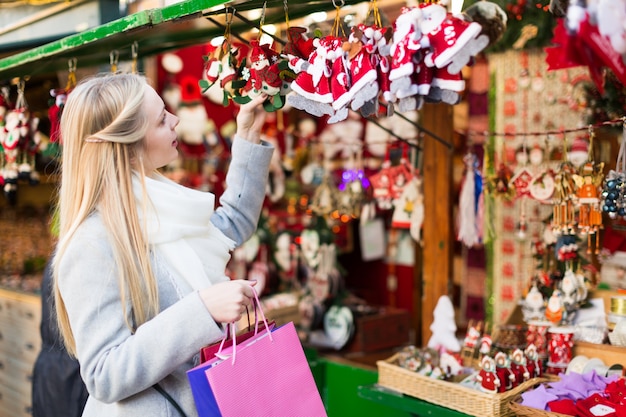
[250, 119]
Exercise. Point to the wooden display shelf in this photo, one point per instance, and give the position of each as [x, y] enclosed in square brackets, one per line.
[609, 354]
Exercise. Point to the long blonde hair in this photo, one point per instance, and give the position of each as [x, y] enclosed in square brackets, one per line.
[102, 127]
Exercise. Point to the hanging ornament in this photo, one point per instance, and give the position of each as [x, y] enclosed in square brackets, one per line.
[578, 153]
[262, 76]
[542, 186]
[406, 62]
[520, 182]
[408, 210]
[352, 187]
[221, 78]
[324, 200]
[59, 97]
[452, 42]
[563, 209]
[5, 107]
[469, 230]
[389, 182]
[499, 184]
[591, 37]
[20, 144]
[587, 191]
[320, 73]
[614, 188]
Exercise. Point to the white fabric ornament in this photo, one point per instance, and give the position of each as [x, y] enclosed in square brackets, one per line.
[468, 231]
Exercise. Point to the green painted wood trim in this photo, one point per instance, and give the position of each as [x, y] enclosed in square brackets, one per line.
[43, 52]
[155, 30]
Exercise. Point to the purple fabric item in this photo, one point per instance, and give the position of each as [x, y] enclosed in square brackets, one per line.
[538, 398]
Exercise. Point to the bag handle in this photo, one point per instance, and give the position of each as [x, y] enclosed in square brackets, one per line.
[232, 327]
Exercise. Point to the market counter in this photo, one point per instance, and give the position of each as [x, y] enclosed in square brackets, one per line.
[398, 401]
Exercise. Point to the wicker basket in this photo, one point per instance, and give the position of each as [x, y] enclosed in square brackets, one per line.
[524, 411]
[449, 394]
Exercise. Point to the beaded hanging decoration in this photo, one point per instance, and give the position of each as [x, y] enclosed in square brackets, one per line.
[614, 188]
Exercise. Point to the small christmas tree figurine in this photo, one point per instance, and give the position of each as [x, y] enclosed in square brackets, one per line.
[444, 327]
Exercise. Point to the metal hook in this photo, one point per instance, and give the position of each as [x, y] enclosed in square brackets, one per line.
[114, 57]
[262, 19]
[71, 64]
[135, 54]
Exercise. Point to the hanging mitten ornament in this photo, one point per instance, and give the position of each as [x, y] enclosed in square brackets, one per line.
[406, 42]
[340, 87]
[444, 86]
[452, 42]
[383, 64]
[363, 73]
[311, 89]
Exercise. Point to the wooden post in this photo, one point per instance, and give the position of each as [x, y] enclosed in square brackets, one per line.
[438, 228]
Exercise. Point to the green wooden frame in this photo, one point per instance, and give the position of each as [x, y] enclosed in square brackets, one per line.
[155, 31]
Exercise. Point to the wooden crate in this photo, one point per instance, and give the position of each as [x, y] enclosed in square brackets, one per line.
[388, 328]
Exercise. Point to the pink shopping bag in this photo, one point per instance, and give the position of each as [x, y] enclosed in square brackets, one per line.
[215, 353]
[203, 396]
[269, 377]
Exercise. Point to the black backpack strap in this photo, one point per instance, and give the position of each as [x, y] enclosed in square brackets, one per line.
[170, 399]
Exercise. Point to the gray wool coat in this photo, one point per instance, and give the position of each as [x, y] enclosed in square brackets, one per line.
[119, 368]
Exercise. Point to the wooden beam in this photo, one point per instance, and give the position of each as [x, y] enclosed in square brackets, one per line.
[438, 228]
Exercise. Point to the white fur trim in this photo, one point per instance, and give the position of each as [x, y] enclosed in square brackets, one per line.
[423, 89]
[468, 34]
[453, 85]
[321, 98]
[401, 71]
[370, 76]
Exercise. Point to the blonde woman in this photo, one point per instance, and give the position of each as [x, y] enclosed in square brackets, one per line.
[139, 268]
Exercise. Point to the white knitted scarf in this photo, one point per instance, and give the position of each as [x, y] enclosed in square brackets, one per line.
[179, 227]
